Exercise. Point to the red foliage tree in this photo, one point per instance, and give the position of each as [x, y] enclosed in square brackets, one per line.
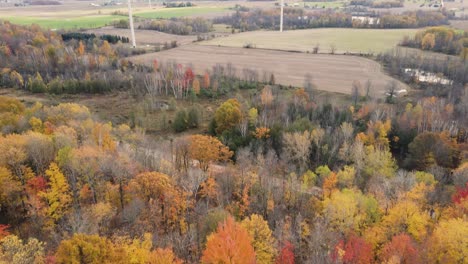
[36, 185]
[286, 255]
[401, 248]
[461, 194]
[155, 65]
[355, 250]
[3, 231]
[188, 76]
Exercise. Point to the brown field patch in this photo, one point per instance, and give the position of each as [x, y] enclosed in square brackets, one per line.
[145, 37]
[333, 73]
[459, 24]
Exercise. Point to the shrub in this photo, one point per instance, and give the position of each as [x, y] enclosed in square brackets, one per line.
[180, 122]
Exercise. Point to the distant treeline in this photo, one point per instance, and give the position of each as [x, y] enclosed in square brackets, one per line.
[255, 19]
[41, 61]
[113, 39]
[43, 2]
[187, 4]
[440, 39]
[179, 26]
[380, 4]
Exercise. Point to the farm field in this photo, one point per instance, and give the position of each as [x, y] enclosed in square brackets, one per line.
[459, 24]
[65, 23]
[332, 73]
[143, 37]
[182, 12]
[83, 16]
[344, 39]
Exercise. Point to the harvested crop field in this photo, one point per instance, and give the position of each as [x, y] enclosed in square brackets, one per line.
[334, 73]
[459, 24]
[343, 39]
[150, 37]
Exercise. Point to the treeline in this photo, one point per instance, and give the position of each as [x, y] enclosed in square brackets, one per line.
[113, 39]
[40, 61]
[42, 2]
[175, 4]
[179, 26]
[172, 79]
[300, 19]
[377, 4]
[440, 39]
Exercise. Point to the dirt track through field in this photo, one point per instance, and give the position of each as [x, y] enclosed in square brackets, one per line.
[334, 73]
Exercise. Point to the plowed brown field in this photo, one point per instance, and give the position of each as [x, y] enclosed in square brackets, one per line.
[334, 73]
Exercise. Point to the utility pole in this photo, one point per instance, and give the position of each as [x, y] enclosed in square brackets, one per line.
[130, 18]
[281, 18]
[149, 3]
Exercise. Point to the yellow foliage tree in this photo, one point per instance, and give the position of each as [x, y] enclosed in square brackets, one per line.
[449, 242]
[428, 41]
[82, 248]
[58, 195]
[406, 216]
[228, 115]
[350, 210]
[263, 241]
[164, 256]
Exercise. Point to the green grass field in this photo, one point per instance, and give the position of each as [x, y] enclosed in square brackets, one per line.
[180, 12]
[65, 23]
[344, 39]
[86, 21]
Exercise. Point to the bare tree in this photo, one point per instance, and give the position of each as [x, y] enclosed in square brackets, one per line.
[332, 49]
[316, 48]
[355, 91]
[390, 91]
[309, 86]
[368, 88]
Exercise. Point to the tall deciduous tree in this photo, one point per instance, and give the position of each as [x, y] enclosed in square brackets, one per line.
[401, 249]
[58, 195]
[449, 242]
[354, 251]
[263, 241]
[14, 250]
[206, 149]
[286, 255]
[228, 115]
[231, 243]
[83, 248]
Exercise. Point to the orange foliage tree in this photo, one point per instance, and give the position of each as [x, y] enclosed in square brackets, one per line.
[207, 149]
[231, 243]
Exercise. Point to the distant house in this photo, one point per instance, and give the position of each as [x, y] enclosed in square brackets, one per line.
[398, 93]
[366, 20]
[428, 77]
